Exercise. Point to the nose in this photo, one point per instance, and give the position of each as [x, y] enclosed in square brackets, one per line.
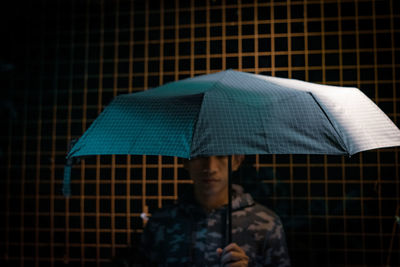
[210, 164]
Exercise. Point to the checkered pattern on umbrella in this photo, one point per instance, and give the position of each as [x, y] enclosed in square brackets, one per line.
[232, 112]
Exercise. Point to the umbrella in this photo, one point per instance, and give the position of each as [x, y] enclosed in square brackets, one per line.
[232, 112]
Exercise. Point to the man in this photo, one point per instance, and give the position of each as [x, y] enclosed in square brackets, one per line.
[192, 232]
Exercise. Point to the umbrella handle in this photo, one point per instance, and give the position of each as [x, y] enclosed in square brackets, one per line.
[229, 209]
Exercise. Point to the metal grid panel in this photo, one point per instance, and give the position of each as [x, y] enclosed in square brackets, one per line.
[80, 54]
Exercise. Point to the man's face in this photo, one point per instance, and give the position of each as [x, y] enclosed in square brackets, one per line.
[210, 174]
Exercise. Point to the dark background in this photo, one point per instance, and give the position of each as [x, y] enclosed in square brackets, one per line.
[63, 61]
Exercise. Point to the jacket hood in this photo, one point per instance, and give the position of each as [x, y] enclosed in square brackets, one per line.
[240, 199]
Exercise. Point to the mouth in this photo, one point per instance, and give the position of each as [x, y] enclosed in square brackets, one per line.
[209, 180]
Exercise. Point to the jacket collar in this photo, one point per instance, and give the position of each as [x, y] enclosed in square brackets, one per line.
[240, 200]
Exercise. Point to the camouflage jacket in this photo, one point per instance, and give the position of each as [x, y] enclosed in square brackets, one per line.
[185, 235]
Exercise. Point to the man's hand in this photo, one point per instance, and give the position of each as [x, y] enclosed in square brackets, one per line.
[233, 256]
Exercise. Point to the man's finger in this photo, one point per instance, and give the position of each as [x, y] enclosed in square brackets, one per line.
[233, 256]
[237, 264]
[232, 247]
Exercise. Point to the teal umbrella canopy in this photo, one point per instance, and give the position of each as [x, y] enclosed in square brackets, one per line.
[232, 112]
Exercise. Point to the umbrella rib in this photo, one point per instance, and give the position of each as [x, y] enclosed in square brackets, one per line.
[195, 125]
[201, 109]
[338, 132]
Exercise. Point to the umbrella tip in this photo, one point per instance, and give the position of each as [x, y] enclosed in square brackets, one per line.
[67, 169]
[67, 180]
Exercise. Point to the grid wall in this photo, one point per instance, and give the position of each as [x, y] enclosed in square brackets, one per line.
[65, 60]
